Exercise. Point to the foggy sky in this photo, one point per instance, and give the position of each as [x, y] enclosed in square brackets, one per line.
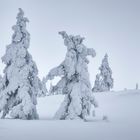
[109, 26]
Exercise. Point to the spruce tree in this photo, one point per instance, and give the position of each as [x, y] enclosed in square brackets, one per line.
[106, 75]
[20, 83]
[104, 80]
[74, 83]
[97, 84]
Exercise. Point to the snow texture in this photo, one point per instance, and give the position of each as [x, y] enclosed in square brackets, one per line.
[104, 80]
[121, 108]
[74, 83]
[20, 83]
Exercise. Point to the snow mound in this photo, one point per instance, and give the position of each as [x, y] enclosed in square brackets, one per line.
[121, 106]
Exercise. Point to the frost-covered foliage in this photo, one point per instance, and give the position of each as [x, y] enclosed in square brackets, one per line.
[20, 83]
[104, 80]
[74, 81]
[97, 84]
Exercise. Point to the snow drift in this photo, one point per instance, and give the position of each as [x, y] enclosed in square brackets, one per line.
[122, 109]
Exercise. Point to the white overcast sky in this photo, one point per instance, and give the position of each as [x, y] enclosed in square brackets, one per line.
[109, 26]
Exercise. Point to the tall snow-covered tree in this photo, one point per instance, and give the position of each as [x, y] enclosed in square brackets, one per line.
[74, 83]
[20, 83]
[104, 80]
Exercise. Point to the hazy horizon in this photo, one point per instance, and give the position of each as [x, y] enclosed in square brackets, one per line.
[109, 26]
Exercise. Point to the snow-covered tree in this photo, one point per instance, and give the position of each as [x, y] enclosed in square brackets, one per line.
[20, 83]
[104, 80]
[97, 84]
[74, 83]
[106, 75]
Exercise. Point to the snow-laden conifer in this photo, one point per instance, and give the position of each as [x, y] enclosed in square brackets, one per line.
[104, 80]
[97, 84]
[20, 83]
[74, 83]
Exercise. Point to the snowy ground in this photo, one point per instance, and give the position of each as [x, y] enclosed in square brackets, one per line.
[122, 109]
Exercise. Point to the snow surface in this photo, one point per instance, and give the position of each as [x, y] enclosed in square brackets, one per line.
[121, 108]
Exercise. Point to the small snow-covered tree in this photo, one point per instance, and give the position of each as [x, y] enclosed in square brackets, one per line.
[104, 80]
[106, 75]
[74, 83]
[20, 83]
[97, 84]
